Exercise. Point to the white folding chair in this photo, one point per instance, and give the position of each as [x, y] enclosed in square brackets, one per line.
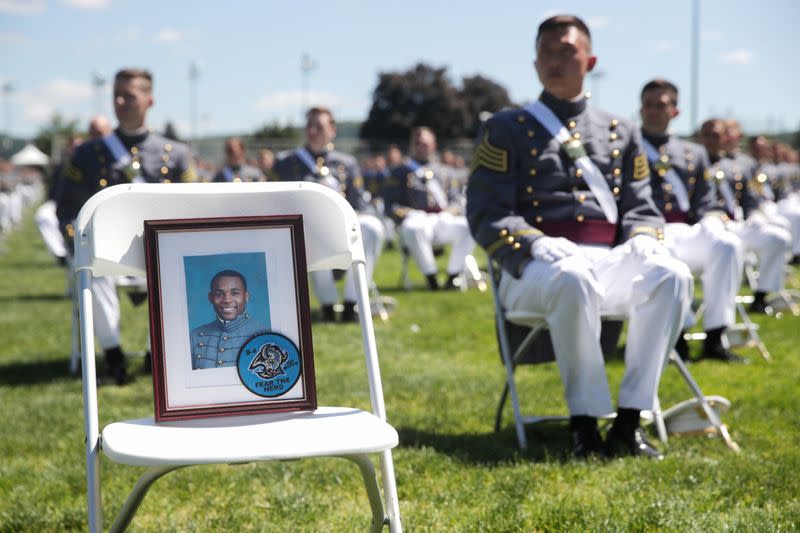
[522, 339]
[109, 241]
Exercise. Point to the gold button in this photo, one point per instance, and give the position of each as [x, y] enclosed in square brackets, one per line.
[579, 218]
[167, 180]
[531, 133]
[102, 159]
[662, 172]
[572, 124]
[692, 180]
[690, 167]
[615, 152]
[536, 203]
[615, 190]
[739, 186]
[538, 219]
[529, 190]
[664, 158]
[503, 232]
[582, 198]
[517, 246]
[668, 207]
[689, 156]
[614, 123]
[237, 179]
[617, 172]
[578, 172]
[164, 170]
[521, 119]
[532, 172]
[510, 239]
[134, 150]
[737, 177]
[534, 152]
[576, 135]
[613, 137]
[165, 158]
[168, 147]
[103, 182]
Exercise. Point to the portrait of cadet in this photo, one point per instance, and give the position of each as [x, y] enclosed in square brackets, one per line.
[426, 201]
[559, 195]
[217, 343]
[318, 161]
[773, 187]
[130, 153]
[684, 191]
[235, 168]
[733, 176]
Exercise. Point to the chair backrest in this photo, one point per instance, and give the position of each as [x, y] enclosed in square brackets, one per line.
[110, 226]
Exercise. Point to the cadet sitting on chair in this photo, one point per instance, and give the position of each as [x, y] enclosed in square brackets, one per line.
[684, 191]
[427, 205]
[317, 161]
[236, 168]
[559, 196]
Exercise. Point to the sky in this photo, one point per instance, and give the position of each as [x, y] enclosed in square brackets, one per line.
[58, 56]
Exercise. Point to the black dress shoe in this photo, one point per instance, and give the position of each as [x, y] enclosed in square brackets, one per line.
[328, 314]
[586, 442]
[620, 444]
[115, 365]
[148, 362]
[433, 283]
[720, 353]
[761, 307]
[795, 260]
[450, 284]
[349, 312]
[682, 346]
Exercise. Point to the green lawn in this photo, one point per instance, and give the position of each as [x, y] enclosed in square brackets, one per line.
[442, 378]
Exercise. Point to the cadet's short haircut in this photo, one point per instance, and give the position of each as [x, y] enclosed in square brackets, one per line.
[319, 110]
[660, 84]
[710, 124]
[417, 130]
[235, 141]
[561, 23]
[126, 74]
[228, 274]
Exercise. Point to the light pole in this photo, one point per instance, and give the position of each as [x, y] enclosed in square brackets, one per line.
[8, 88]
[695, 73]
[98, 84]
[307, 65]
[194, 75]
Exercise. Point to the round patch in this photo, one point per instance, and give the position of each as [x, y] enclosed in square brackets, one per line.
[269, 365]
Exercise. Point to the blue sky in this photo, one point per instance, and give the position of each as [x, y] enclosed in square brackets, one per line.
[249, 55]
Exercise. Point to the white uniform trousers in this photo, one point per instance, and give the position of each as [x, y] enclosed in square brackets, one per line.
[372, 234]
[5, 212]
[789, 210]
[770, 244]
[47, 222]
[105, 310]
[420, 231]
[572, 294]
[718, 256]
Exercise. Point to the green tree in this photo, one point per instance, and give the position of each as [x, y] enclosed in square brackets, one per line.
[58, 131]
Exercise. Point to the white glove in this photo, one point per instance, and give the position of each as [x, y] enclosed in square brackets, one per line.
[644, 245]
[712, 224]
[552, 249]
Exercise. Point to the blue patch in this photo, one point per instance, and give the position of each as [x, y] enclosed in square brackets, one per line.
[269, 365]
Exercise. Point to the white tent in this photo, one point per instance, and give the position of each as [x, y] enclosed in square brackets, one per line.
[30, 156]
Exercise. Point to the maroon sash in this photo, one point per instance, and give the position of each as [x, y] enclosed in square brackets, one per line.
[586, 232]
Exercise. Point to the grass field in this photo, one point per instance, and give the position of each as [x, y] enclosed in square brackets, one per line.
[442, 378]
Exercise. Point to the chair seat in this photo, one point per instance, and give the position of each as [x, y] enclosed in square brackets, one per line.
[328, 431]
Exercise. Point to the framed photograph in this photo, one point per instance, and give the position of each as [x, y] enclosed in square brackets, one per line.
[229, 316]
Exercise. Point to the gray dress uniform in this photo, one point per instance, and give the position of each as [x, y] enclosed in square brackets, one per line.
[340, 172]
[523, 186]
[739, 197]
[238, 173]
[217, 343]
[702, 243]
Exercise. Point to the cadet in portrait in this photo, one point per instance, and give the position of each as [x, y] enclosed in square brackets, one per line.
[559, 195]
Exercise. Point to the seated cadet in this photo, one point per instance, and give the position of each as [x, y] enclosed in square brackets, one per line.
[559, 196]
[236, 169]
[131, 153]
[683, 190]
[317, 161]
[427, 205]
[736, 187]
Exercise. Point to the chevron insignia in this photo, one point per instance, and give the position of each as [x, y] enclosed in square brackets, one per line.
[491, 157]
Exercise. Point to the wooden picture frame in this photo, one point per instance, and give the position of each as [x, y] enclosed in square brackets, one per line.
[229, 316]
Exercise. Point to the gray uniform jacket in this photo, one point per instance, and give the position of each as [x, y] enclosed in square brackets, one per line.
[522, 184]
[406, 189]
[738, 173]
[238, 174]
[333, 169]
[93, 168]
[690, 162]
[217, 343]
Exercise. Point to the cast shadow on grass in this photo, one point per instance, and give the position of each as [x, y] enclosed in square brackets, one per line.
[546, 444]
[34, 372]
[52, 297]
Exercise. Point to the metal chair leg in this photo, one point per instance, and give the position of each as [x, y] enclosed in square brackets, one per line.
[135, 498]
[373, 490]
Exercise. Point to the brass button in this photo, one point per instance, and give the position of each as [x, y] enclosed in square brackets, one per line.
[536, 203]
[578, 172]
[134, 150]
[517, 246]
[503, 232]
[667, 187]
[538, 219]
[529, 190]
[668, 206]
[613, 137]
[690, 167]
[510, 239]
[692, 180]
[532, 172]
[615, 190]
[739, 186]
[103, 182]
[572, 124]
[664, 158]
[614, 123]
[521, 119]
[165, 158]
[168, 147]
[662, 172]
[582, 198]
[164, 170]
[576, 135]
[579, 218]
[617, 172]
[167, 180]
[615, 152]
[531, 133]
[534, 152]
